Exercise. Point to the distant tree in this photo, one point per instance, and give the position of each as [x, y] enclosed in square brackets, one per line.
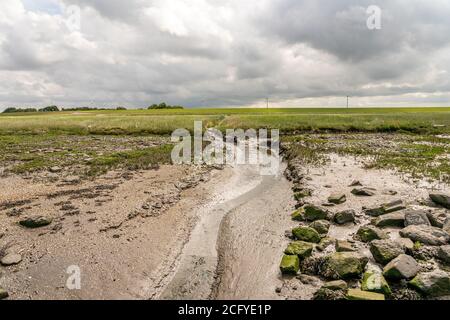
[163, 105]
[49, 109]
[10, 110]
[121, 108]
[16, 110]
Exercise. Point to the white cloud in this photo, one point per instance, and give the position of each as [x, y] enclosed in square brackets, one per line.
[223, 53]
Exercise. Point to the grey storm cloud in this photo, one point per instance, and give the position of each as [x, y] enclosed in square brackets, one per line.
[224, 53]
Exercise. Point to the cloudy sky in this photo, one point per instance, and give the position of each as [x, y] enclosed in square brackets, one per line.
[223, 53]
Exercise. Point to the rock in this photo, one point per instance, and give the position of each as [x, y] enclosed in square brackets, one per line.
[321, 226]
[36, 221]
[313, 213]
[416, 218]
[310, 280]
[386, 208]
[55, 169]
[446, 226]
[11, 259]
[336, 285]
[356, 294]
[343, 265]
[402, 267]
[444, 254]
[406, 243]
[299, 248]
[344, 246]
[427, 235]
[366, 192]
[343, 217]
[384, 251]
[290, 264]
[370, 233]
[396, 219]
[306, 234]
[375, 282]
[441, 199]
[324, 294]
[355, 183]
[302, 194]
[3, 294]
[298, 215]
[72, 179]
[337, 198]
[324, 243]
[437, 218]
[432, 284]
[425, 253]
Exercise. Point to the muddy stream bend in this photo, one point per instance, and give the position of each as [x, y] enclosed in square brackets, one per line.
[234, 249]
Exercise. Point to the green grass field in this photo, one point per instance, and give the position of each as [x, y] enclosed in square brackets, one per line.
[143, 122]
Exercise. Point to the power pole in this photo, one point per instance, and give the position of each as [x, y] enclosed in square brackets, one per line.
[267, 102]
[347, 102]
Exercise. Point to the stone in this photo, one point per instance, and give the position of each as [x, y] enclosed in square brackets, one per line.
[337, 198]
[370, 233]
[343, 265]
[313, 213]
[335, 285]
[426, 235]
[325, 243]
[402, 267]
[346, 216]
[55, 169]
[299, 248]
[11, 259]
[386, 208]
[444, 254]
[357, 294]
[406, 243]
[301, 194]
[416, 218]
[72, 179]
[290, 264]
[324, 294]
[306, 279]
[344, 246]
[437, 218]
[441, 199]
[396, 219]
[432, 284]
[366, 192]
[298, 215]
[384, 251]
[306, 234]
[3, 294]
[321, 226]
[355, 183]
[36, 221]
[446, 226]
[375, 282]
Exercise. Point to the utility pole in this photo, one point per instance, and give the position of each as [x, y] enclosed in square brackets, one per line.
[347, 102]
[267, 102]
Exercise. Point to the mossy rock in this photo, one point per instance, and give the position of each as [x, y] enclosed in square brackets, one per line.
[290, 264]
[370, 233]
[375, 282]
[3, 294]
[302, 194]
[384, 251]
[307, 234]
[321, 226]
[336, 285]
[299, 248]
[356, 294]
[344, 265]
[313, 213]
[298, 215]
[432, 284]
